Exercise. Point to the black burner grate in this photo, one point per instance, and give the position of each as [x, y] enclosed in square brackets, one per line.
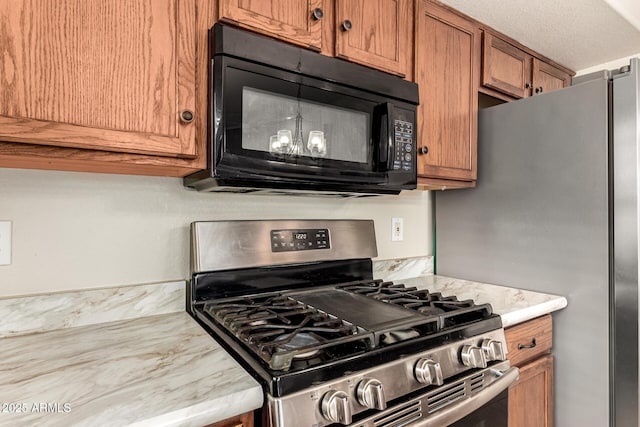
[291, 331]
[285, 332]
[449, 310]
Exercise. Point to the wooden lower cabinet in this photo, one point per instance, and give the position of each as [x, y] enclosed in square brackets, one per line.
[531, 399]
[529, 348]
[244, 420]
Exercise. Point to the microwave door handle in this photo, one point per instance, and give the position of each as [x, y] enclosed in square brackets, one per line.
[457, 411]
[383, 115]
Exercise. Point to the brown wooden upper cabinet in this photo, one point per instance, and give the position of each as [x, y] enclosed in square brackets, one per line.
[295, 21]
[447, 64]
[375, 33]
[547, 78]
[109, 76]
[514, 72]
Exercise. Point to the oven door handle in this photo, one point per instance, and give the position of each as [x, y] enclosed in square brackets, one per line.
[460, 410]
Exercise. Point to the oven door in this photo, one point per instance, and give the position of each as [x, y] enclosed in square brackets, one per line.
[493, 414]
[486, 408]
[274, 125]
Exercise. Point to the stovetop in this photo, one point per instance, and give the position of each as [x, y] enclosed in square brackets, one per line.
[299, 329]
[301, 337]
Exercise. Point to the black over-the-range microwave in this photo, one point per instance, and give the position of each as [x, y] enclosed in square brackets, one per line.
[286, 119]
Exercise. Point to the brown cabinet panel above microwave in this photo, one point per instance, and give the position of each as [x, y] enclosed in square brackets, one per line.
[296, 21]
[375, 33]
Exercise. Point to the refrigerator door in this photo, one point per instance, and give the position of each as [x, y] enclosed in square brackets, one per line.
[539, 220]
[625, 151]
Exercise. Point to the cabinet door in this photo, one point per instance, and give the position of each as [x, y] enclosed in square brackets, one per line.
[376, 33]
[290, 20]
[529, 340]
[547, 78]
[99, 74]
[505, 68]
[244, 420]
[447, 66]
[531, 399]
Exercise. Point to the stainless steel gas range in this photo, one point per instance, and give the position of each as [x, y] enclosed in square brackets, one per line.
[296, 304]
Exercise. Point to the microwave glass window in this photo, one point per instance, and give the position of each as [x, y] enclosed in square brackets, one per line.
[284, 125]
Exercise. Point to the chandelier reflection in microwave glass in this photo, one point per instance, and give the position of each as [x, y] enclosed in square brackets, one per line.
[269, 122]
[317, 144]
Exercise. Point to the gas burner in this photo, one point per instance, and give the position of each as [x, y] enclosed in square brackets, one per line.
[295, 341]
[257, 323]
[449, 310]
[280, 329]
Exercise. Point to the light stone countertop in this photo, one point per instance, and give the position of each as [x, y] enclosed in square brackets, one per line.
[513, 305]
[133, 356]
[160, 370]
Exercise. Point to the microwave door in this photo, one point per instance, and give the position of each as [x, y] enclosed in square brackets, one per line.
[297, 126]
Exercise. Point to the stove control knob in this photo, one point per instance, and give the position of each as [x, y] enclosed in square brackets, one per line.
[428, 372]
[473, 357]
[492, 349]
[370, 394]
[335, 407]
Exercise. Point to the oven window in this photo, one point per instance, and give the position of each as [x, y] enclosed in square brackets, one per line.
[284, 125]
[493, 414]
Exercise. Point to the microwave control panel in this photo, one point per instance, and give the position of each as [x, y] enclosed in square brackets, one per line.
[403, 138]
[300, 240]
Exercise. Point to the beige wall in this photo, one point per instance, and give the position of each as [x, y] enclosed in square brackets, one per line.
[80, 230]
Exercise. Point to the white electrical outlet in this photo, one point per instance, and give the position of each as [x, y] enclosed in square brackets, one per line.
[5, 242]
[397, 229]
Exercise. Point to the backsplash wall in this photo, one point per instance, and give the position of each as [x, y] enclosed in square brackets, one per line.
[80, 230]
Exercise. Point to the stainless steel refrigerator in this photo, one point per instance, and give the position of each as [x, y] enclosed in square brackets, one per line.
[556, 211]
